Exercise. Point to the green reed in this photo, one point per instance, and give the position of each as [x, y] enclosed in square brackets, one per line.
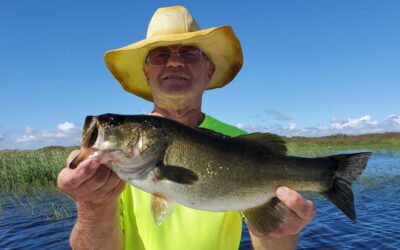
[26, 170]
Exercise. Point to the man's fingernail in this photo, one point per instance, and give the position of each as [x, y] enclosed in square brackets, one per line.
[309, 212]
[94, 164]
[282, 192]
[93, 167]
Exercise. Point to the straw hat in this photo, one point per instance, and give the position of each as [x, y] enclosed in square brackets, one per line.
[175, 25]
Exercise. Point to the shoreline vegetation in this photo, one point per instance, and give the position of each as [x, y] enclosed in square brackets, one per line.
[318, 146]
[30, 170]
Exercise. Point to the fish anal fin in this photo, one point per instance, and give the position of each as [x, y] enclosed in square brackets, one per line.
[176, 174]
[268, 217]
[274, 143]
[161, 208]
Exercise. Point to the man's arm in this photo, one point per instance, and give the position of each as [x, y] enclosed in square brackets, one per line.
[95, 189]
[301, 213]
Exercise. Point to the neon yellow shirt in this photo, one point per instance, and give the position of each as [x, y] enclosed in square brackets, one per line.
[185, 228]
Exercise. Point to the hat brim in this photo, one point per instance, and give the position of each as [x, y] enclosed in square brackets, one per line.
[220, 44]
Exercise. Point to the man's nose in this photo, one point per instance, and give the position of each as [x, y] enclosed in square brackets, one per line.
[174, 60]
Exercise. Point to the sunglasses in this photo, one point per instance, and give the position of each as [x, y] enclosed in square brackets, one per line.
[187, 53]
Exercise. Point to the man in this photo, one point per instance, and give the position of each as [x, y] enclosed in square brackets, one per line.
[171, 67]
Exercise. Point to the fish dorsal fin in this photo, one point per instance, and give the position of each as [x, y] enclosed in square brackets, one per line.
[268, 217]
[274, 143]
[212, 132]
[161, 208]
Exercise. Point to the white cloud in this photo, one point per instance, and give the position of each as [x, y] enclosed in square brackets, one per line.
[28, 129]
[66, 134]
[395, 118]
[25, 138]
[66, 126]
[291, 126]
[252, 127]
[360, 125]
[391, 123]
[362, 122]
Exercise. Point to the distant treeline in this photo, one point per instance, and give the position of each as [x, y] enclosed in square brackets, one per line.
[347, 139]
[318, 146]
[25, 170]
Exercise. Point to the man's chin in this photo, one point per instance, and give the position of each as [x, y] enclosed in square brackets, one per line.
[177, 94]
[176, 89]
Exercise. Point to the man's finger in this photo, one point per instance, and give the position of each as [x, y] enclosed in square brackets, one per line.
[295, 202]
[117, 189]
[72, 178]
[72, 156]
[100, 181]
[111, 183]
[293, 225]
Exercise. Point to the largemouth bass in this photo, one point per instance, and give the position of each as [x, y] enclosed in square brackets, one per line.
[205, 170]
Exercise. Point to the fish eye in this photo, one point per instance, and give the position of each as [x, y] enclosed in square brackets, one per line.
[114, 121]
[111, 120]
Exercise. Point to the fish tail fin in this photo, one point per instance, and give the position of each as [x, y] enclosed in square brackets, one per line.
[349, 167]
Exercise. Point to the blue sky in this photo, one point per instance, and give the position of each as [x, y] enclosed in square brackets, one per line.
[310, 68]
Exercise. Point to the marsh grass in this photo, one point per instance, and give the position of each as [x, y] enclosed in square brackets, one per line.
[27, 170]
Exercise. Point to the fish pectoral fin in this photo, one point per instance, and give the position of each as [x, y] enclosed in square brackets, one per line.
[274, 143]
[176, 174]
[268, 217]
[161, 208]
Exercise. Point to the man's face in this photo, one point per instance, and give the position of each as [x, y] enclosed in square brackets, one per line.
[177, 76]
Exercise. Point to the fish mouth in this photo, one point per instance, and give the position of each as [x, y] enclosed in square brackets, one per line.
[90, 132]
[89, 137]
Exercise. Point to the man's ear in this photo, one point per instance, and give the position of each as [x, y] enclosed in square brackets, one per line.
[145, 68]
[211, 70]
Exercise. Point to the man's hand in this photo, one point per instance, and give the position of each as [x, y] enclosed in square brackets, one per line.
[301, 212]
[90, 183]
[96, 189]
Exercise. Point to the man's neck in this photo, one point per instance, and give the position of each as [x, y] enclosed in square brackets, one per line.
[191, 117]
[186, 109]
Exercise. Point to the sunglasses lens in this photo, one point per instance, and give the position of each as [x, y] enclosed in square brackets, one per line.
[188, 55]
[159, 56]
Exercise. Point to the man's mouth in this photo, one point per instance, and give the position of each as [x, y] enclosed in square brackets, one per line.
[174, 76]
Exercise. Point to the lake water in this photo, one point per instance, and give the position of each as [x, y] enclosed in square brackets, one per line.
[43, 220]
